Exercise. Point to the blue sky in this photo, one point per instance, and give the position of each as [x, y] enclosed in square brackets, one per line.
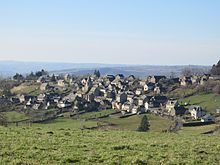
[111, 31]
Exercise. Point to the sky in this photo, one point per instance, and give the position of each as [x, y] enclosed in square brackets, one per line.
[156, 32]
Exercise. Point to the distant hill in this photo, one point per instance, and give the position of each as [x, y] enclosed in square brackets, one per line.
[9, 68]
[139, 70]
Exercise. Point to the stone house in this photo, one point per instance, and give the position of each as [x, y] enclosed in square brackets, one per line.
[37, 106]
[171, 104]
[195, 79]
[208, 118]
[185, 81]
[149, 87]
[64, 104]
[196, 112]
[175, 80]
[95, 90]
[90, 97]
[41, 79]
[61, 83]
[131, 78]
[142, 100]
[177, 110]
[130, 97]
[138, 91]
[15, 100]
[135, 110]
[127, 106]
[157, 90]
[214, 77]
[110, 94]
[142, 82]
[110, 77]
[41, 97]
[24, 98]
[116, 105]
[105, 104]
[44, 87]
[146, 106]
[159, 99]
[54, 97]
[67, 78]
[155, 79]
[121, 97]
[119, 76]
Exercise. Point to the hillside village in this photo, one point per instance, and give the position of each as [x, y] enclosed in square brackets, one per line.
[126, 95]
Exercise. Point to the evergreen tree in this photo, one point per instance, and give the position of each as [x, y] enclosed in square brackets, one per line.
[97, 73]
[144, 125]
[216, 69]
[53, 78]
[31, 76]
[18, 77]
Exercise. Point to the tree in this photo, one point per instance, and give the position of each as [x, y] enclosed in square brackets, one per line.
[18, 77]
[97, 73]
[41, 73]
[31, 76]
[216, 89]
[176, 125]
[38, 74]
[187, 72]
[144, 125]
[193, 71]
[53, 78]
[172, 75]
[216, 69]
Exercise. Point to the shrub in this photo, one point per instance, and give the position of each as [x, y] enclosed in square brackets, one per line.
[144, 125]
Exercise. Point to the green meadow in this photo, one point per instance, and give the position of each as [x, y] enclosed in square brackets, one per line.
[63, 141]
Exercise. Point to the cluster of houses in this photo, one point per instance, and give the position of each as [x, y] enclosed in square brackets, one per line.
[125, 94]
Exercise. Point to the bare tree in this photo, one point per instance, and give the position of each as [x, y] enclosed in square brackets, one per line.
[186, 72]
[190, 71]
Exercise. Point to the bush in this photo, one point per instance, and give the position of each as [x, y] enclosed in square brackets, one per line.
[3, 120]
[144, 125]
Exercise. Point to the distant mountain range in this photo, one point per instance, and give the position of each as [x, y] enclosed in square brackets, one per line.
[9, 68]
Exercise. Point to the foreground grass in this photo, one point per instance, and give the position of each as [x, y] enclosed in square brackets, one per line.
[56, 145]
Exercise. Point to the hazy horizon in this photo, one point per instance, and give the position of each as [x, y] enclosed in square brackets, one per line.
[111, 32]
[123, 64]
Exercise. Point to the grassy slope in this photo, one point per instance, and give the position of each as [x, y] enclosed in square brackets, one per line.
[15, 116]
[94, 114]
[157, 124]
[27, 88]
[62, 142]
[53, 145]
[66, 123]
[209, 101]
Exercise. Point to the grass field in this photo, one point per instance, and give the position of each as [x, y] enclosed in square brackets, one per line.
[208, 101]
[94, 114]
[62, 141]
[14, 116]
[181, 92]
[131, 123]
[56, 144]
[27, 88]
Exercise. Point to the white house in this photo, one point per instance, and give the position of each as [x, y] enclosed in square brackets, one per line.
[196, 112]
